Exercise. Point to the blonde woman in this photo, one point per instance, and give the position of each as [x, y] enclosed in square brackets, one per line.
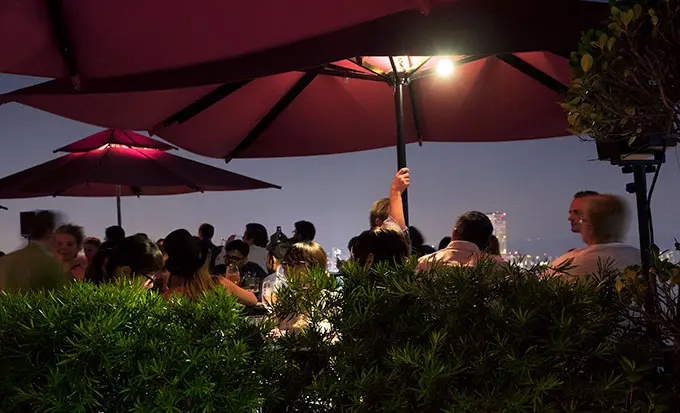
[299, 259]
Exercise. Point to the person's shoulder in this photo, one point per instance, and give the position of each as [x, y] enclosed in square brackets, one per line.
[427, 261]
[391, 224]
[571, 255]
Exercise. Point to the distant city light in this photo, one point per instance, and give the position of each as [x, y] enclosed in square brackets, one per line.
[444, 67]
[500, 230]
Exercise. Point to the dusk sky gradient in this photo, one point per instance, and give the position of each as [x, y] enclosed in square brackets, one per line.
[533, 181]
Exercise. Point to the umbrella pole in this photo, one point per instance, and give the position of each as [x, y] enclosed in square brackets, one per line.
[120, 221]
[401, 143]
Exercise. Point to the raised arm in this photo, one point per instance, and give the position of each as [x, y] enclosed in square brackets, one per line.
[400, 183]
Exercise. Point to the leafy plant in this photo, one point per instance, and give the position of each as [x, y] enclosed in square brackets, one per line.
[115, 348]
[626, 83]
[468, 340]
[654, 301]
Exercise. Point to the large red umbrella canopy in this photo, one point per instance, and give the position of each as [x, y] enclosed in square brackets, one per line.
[343, 107]
[127, 45]
[103, 38]
[125, 163]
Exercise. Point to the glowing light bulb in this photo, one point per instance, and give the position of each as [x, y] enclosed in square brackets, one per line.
[444, 67]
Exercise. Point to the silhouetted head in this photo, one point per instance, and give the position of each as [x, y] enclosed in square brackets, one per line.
[474, 227]
[380, 245]
[186, 253]
[206, 232]
[256, 234]
[304, 231]
[115, 234]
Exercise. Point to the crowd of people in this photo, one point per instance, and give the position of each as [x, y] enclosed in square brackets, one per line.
[254, 266]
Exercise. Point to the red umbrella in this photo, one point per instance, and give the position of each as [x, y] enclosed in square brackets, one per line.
[342, 107]
[121, 163]
[105, 38]
[239, 40]
[338, 108]
[350, 105]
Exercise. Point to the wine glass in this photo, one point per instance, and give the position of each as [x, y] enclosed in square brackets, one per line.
[233, 273]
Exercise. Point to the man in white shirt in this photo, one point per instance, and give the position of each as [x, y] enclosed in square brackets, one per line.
[470, 240]
[603, 226]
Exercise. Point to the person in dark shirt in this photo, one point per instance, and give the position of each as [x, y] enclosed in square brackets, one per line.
[251, 275]
[418, 246]
[206, 232]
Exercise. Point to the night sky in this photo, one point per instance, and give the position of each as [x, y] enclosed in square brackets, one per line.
[533, 181]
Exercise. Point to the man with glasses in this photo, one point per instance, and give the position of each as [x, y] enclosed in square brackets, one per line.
[234, 260]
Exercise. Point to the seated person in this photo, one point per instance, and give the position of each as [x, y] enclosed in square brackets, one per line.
[188, 265]
[133, 256]
[277, 276]
[90, 247]
[471, 237]
[298, 260]
[418, 246]
[380, 245]
[235, 255]
[67, 242]
[604, 225]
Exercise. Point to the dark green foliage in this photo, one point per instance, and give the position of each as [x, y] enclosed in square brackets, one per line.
[625, 85]
[384, 340]
[117, 348]
[467, 340]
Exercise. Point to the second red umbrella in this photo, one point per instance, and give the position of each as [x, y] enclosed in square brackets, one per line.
[121, 163]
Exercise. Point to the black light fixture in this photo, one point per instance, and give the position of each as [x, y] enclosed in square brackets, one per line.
[639, 160]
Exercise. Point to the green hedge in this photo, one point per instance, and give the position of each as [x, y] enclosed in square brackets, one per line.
[119, 348]
[453, 340]
[470, 340]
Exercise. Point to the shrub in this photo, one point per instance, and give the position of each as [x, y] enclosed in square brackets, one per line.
[115, 348]
[467, 340]
[653, 300]
[625, 84]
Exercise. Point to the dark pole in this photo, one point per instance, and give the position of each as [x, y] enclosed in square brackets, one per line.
[640, 186]
[401, 143]
[120, 220]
